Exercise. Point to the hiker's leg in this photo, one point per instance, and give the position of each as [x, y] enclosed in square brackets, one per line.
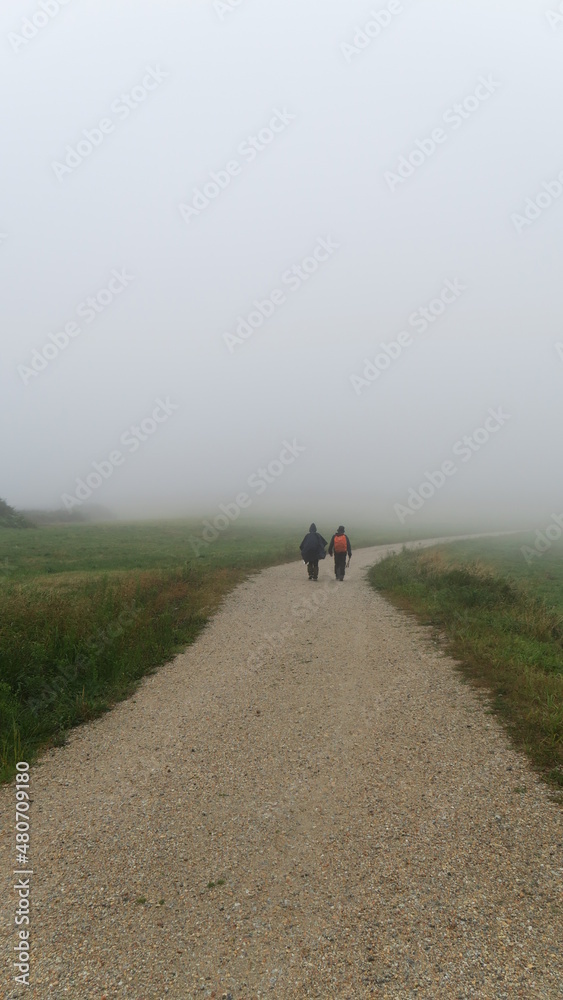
[310, 568]
[316, 570]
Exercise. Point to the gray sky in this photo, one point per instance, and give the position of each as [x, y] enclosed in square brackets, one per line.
[180, 89]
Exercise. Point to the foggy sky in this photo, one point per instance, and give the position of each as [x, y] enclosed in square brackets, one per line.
[344, 115]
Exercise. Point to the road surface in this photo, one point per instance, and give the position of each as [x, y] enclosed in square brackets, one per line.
[308, 802]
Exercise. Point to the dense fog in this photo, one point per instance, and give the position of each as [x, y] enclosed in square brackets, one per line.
[305, 254]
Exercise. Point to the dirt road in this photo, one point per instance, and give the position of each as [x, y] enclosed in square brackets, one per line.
[307, 803]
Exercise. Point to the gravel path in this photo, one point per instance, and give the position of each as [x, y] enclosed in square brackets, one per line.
[369, 831]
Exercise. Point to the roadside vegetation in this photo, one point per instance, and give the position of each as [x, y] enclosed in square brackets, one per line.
[502, 619]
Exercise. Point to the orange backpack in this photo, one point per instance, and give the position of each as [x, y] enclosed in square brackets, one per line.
[340, 543]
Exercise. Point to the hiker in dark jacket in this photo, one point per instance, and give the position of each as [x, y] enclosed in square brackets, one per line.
[340, 545]
[312, 549]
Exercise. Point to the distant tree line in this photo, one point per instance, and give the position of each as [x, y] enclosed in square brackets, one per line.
[10, 518]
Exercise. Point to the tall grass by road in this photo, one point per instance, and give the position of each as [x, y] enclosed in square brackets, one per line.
[503, 623]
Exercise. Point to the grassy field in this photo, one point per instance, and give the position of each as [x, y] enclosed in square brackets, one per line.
[542, 577]
[503, 620]
[87, 610]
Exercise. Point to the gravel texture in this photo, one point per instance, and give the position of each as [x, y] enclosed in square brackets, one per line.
[367, 827]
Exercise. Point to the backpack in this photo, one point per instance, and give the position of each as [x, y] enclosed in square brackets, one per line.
[340, 543]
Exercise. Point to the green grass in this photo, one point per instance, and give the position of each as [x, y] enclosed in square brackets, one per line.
[503, 621]
[543, 577]
[87, 610]
[108, 548]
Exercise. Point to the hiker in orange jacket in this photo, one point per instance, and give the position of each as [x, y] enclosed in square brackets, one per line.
[340, 545]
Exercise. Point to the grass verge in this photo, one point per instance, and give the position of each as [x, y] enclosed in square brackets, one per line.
[508, 641]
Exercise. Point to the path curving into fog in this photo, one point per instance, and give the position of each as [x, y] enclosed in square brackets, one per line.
[318, 759]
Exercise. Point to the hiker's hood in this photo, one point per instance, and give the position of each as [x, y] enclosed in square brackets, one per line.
[313, 527]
